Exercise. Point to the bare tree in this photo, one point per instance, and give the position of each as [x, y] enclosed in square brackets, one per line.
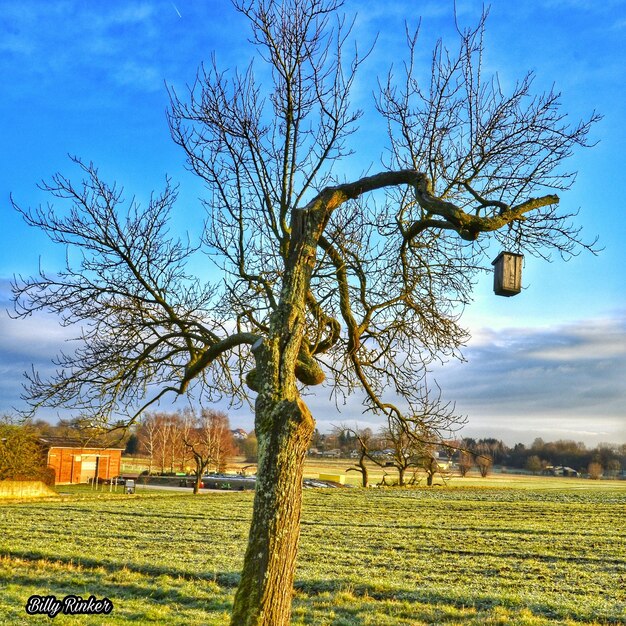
[484, 463]
[163, 440]
[320, 283]
[415, 438]
[149, 436]
[412, 439]
[208, 439]
[173, 443]
[157, 435]
[364, 440]
[466, 462]
[429, 464]
[404, 450]
[184, 427]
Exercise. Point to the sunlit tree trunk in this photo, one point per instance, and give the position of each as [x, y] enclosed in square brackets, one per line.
[401, 471]
[364, 473]
[362, 469]
[284, 430]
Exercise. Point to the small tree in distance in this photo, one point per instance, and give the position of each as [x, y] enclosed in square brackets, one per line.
[595, 470]
[320, 284]
[365, 446]
[208, 439]
[534, 464]
[430, 465]
[251, 448]
[466, 462]
[404, 452]
[414, 439]
[484, 463]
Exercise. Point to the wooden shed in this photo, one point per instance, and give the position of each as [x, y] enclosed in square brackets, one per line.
[74, 461]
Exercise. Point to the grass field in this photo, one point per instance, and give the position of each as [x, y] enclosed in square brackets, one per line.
[520, 552]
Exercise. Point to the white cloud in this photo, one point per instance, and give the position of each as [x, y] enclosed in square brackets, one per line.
[33, 336]
[566, 379]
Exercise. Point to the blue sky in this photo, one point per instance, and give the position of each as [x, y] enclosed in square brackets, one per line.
[88, 79]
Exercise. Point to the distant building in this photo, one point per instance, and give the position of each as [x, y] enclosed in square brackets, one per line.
[443, 459]
[333, 454]
[76, 462]
[560, 470]
[239, 434]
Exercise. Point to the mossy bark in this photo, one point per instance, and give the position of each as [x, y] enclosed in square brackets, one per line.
[364, 473]
[284, 427]
[265, 592]
[401, 471]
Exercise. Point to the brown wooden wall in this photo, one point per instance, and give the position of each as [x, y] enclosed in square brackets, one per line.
[76, 465]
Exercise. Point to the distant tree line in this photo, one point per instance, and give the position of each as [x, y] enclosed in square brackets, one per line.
[394, 450]
[186, 441]
[197, 442]
[607, 458]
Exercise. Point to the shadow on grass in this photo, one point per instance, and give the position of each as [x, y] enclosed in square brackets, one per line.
[439, 605]
[316, 601]
[223, 579]
[134, 589]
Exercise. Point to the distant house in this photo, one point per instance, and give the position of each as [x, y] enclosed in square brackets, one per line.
[239, 434]
[333, 454]
[560, 470]
[444, 459]
[76, 462]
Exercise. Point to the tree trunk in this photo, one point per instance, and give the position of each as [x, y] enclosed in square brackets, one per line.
[364, 472]
[401, 476]
[284, 431]
[284, 428]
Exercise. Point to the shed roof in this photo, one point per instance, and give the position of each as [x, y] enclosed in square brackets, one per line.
[70, 442]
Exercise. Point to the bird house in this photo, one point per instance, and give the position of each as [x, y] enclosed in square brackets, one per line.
[507, 274]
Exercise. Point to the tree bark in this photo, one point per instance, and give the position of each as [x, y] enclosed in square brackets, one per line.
[283, 423]
[284, 428]
[401, 471]
[264, 594]
[364, 472]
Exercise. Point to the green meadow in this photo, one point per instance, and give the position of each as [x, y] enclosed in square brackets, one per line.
[531, 552]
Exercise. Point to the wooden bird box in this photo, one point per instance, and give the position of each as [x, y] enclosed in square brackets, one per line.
[507, 274]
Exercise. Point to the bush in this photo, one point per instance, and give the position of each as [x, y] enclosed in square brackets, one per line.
[595, 470]
[251, 449]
